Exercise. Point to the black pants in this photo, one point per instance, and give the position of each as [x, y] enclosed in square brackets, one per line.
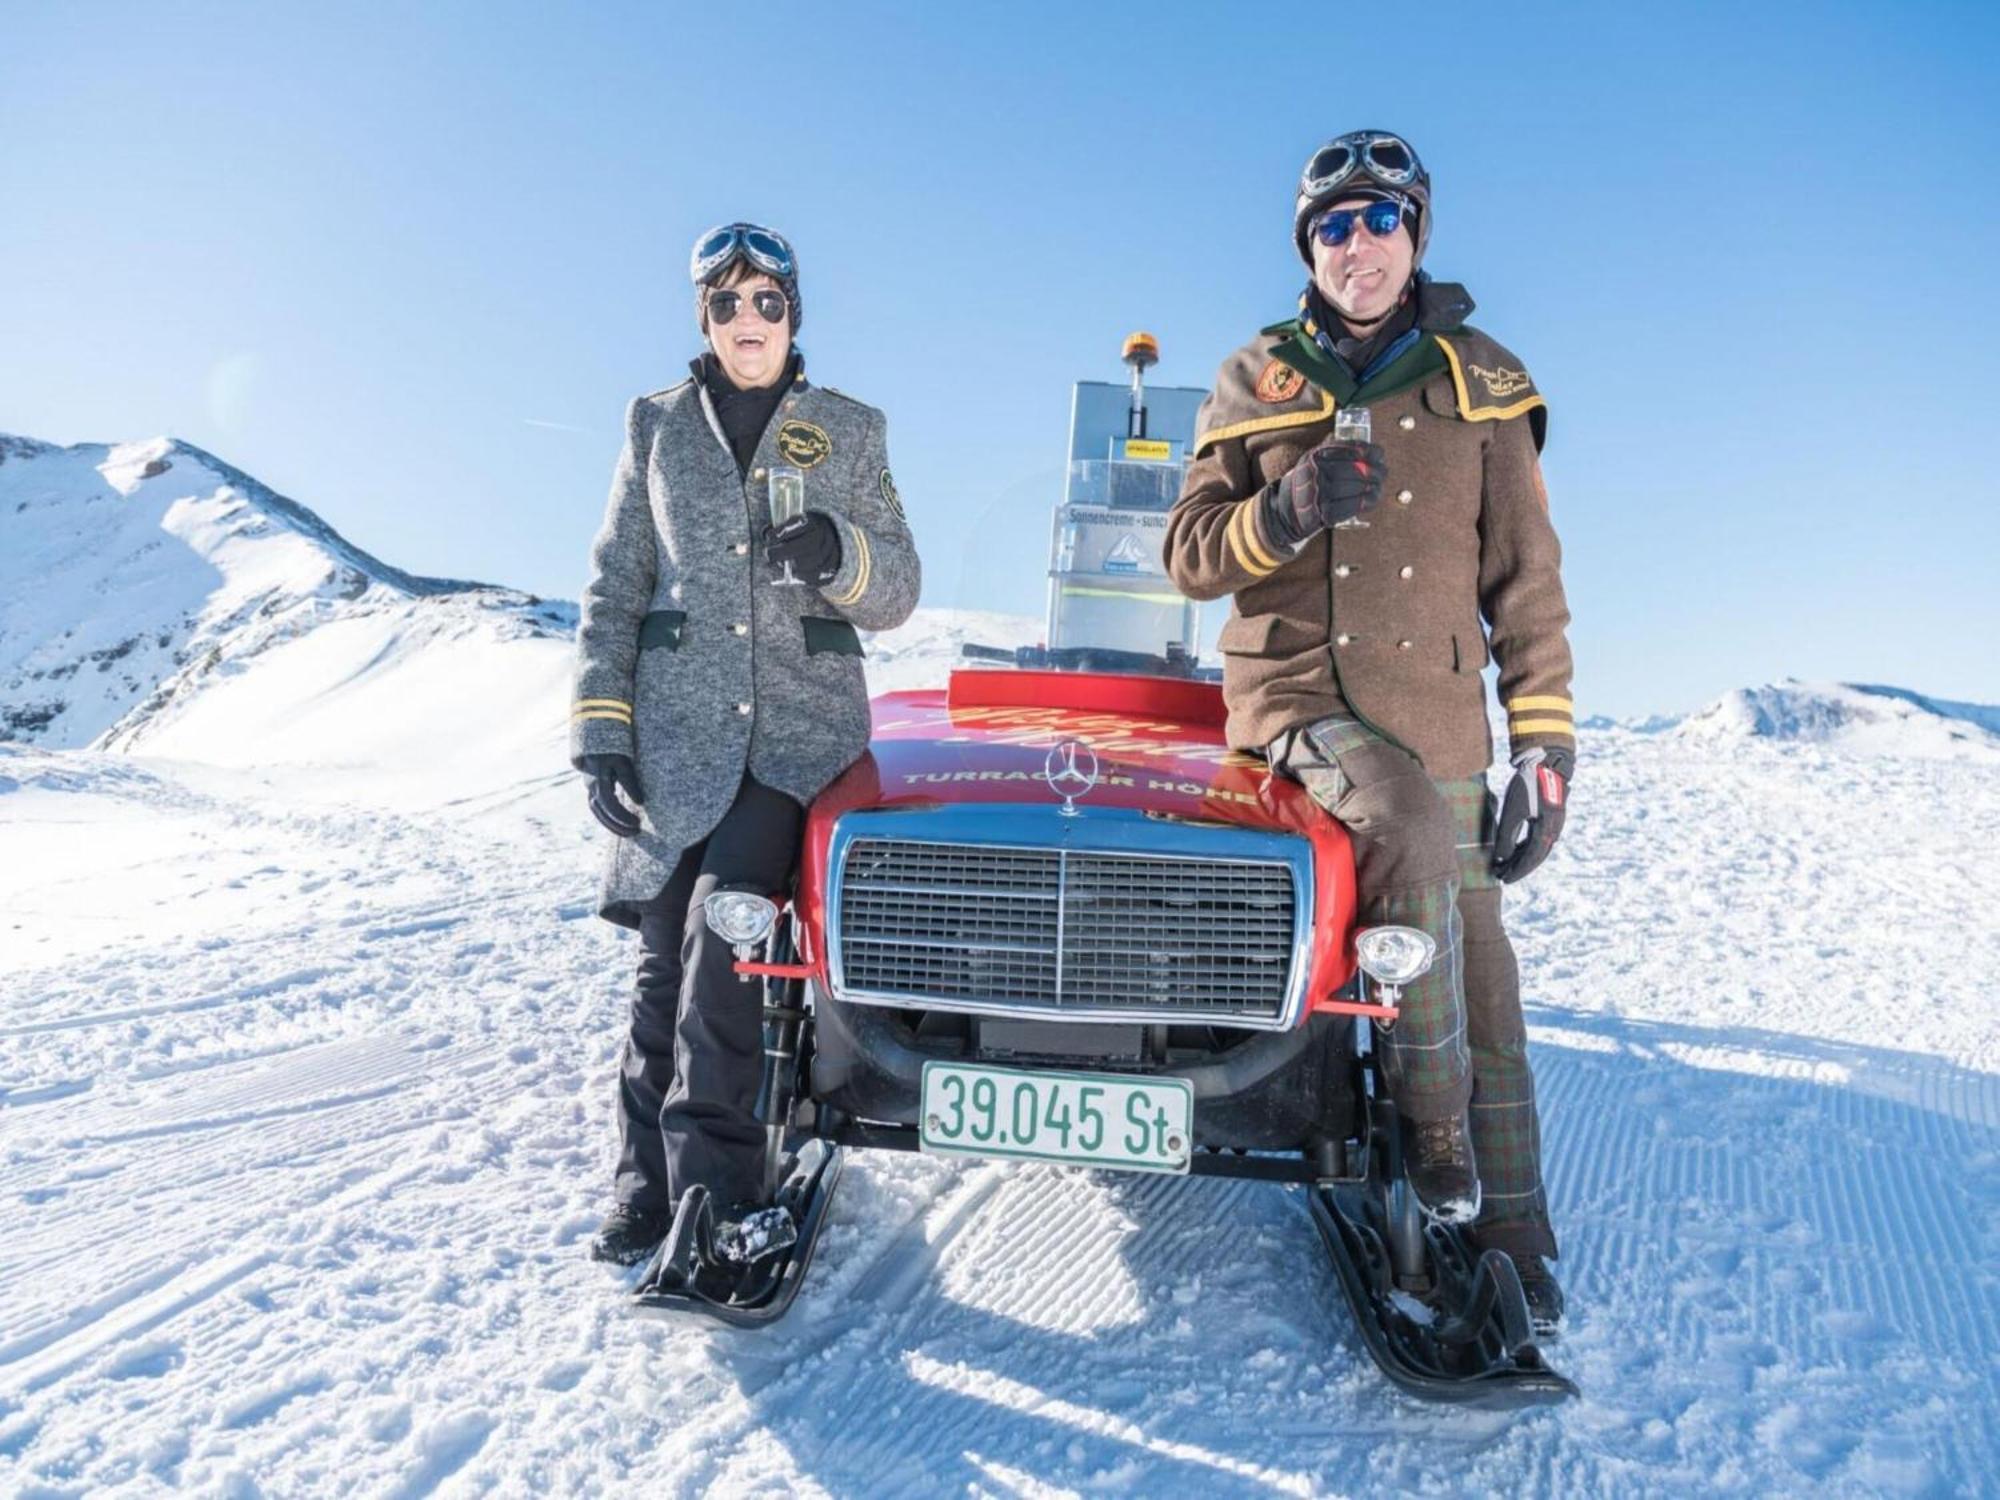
[687, 1085]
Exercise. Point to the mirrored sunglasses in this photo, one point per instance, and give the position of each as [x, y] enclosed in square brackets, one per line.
[770, 305]
[1381, 219]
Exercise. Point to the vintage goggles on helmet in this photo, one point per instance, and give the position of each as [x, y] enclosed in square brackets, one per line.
[1388, 159]
[765, 249]
[1381, 218]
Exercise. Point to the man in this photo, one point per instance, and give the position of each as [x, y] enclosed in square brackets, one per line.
[717, 702]
[1353, 651]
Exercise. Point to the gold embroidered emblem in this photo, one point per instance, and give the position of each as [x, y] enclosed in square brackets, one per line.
[1502, 382]
[803, 444]
[1279, 383]
[889, 494]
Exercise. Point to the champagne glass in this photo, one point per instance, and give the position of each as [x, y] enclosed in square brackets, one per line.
[787, 496]
[1352, 424]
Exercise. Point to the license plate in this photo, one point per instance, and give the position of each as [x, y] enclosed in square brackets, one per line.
[1089, 1119]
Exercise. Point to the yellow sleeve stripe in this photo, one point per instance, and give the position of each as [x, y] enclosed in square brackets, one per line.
[1242, 535]
[615, 715]
[1542, 726]
[1233, 535]
[604, 703]
[1251, 535]
[1561, 704]
[864, 569]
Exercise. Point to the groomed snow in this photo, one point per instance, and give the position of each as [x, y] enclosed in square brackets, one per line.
[306, 1066]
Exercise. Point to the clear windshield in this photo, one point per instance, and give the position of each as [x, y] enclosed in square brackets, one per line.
[1092, 550]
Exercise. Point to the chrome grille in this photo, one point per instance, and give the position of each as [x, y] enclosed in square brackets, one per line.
[1065, 930]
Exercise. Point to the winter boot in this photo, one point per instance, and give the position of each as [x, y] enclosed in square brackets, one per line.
[1437, 1158]
[750, 1232]
[628, 1235]
[1544, 1292]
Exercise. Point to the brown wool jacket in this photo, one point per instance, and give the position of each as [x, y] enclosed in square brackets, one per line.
[1394, 620]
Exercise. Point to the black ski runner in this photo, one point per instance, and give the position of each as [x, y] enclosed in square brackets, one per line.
[685, 1274]
[1468, 1341]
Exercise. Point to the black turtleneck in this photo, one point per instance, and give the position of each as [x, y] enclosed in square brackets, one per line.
[744, 414]
[1358, 352]
[1433, 306]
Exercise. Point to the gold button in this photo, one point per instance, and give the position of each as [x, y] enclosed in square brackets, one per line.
[1406, 571]
[1404, 645]
[1406, 423]
[1342, 571]
[743, 708]
[1404, 497]
[1342, 639]
[740, 629]
[756, 473]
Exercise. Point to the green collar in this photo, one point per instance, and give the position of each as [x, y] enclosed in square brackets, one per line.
[1413, 366]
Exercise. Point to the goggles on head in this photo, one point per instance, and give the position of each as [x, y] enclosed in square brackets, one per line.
[1388, 159]
[765, 249]
[1381, 219]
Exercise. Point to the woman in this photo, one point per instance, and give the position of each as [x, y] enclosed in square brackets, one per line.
[719, 701]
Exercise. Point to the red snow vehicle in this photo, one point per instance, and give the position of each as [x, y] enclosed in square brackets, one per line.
[1052, 916]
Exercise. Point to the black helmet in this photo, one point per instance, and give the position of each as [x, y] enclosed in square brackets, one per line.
[1367, 164]
[717, 249]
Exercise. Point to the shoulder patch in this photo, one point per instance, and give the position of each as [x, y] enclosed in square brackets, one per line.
[889, 494]
[1489, 388]
[1500, 383]
[803, 443]
[1279, 383]
[835, 391]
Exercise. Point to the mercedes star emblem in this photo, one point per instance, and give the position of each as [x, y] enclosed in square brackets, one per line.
[1071, 772]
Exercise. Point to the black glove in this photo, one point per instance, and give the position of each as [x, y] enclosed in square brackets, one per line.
[811, 543]
[609, 775]
[1335, 482]
[1531, 814]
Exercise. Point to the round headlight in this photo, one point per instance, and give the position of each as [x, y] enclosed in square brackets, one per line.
[739, 917]
[1394, 955]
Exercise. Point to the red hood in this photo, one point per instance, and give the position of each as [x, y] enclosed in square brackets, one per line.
[1159, 746]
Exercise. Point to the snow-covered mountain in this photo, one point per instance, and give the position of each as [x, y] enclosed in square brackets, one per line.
[138, 578]
[155, 598]
[1854, 717]
[158, 600]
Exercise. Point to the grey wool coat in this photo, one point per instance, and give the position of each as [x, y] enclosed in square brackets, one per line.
[690, 658]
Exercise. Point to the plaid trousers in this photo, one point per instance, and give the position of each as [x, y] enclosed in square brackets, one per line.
[1406, 868]
[1506, 1131]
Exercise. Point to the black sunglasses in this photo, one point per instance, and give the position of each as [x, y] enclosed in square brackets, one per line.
[770, 305]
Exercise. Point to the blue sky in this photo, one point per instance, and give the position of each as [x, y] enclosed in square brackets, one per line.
[407, 264]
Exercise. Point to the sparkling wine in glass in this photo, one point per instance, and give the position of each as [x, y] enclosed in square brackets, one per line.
[787, 495]
[1352, 424]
